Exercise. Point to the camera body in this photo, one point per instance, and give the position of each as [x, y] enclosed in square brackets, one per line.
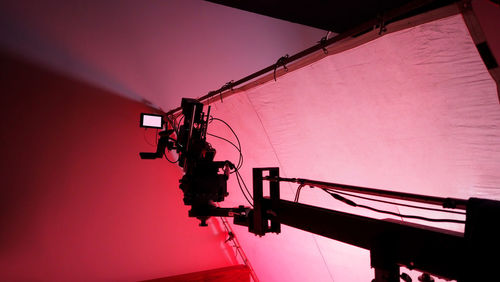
[202, 184]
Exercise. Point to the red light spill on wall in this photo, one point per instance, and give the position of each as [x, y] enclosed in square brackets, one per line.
[77, 202]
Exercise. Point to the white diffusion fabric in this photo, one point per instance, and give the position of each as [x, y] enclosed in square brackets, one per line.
[413, 111]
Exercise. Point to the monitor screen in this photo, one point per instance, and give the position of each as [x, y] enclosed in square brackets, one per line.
[151, 121]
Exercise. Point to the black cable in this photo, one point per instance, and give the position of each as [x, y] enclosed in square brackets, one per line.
[398, 204]
[180, 120]
[173, 162]
[228, 141]
[230, 128]
[240, 164]
[415, 216]
[246, 188]
[172, 122]
[239, 184]
[218, 119]
[297, 194]
[240, 159]
[351, 203]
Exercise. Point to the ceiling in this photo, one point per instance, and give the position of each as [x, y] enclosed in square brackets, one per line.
[160, 51]
[336, 16]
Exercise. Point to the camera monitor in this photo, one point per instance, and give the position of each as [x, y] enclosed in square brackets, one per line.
[151, 121]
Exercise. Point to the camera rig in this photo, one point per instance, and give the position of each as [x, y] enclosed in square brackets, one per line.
[471, 256]
[205, 181]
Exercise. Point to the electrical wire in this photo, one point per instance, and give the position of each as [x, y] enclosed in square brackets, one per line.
[239, 178]
[414, 216]
[397, 204]
[352, 203]
[245, 195]
[180, 120]
[170, 161]
[172, 123]
[246, 188]
[213, 135]
[237, 139]
[240, 160]
[297, 194]
[174, 126]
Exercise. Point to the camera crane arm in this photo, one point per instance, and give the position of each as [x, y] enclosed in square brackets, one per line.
[392, 243]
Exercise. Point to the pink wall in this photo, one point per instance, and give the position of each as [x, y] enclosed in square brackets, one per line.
[76, 202]
[413, 111]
